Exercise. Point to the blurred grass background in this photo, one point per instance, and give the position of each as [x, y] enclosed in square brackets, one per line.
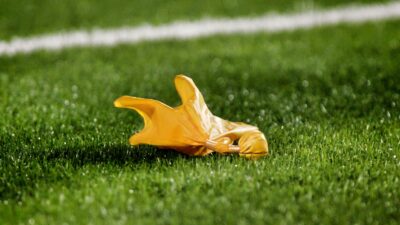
[32, 17]
[326, 98]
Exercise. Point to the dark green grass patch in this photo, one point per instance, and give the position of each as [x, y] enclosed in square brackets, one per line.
[327, 99]
[27, 17]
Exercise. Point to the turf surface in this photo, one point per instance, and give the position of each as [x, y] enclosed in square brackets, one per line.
[27, 17]
[327, 99]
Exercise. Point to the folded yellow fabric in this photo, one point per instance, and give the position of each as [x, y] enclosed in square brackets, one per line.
[191, 128]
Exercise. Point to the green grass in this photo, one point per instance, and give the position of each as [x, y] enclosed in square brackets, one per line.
[27, 17]
[328, 100]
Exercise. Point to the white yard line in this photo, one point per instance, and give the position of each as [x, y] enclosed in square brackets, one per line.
[201, 28]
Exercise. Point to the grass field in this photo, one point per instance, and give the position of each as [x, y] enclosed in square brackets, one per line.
[327, 99]
[27, 17]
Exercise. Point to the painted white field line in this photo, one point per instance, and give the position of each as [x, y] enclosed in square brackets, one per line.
[202, 28]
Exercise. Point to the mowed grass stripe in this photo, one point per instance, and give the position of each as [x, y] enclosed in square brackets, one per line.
[327, 100]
